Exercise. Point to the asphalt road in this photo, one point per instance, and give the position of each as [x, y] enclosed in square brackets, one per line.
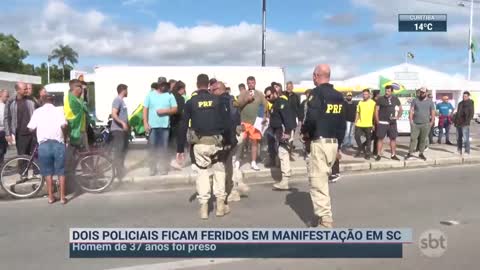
[34, 235]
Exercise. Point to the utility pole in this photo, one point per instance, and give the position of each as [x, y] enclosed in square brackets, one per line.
[264, 26]
[470, 40]
[48, 70]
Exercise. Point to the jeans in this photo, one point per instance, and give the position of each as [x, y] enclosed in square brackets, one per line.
[446, 125]
[419, 135]
[463, 136]
[51, 156]
[367, 132]
[25, 145]
[158, 141]
[347, 141]
[119, 150]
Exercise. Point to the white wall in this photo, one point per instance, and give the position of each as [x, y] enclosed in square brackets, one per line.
[139, 79]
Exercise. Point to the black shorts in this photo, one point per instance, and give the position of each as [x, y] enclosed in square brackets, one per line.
[383, 130]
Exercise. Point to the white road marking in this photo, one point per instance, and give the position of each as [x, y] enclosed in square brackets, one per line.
[174, 265]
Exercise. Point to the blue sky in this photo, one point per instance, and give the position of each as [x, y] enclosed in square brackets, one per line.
[354, 36]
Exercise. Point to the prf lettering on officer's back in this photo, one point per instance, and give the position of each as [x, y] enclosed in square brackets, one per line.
[334, 108]
[205, 104]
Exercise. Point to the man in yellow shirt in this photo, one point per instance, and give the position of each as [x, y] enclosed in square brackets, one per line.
[364, 124]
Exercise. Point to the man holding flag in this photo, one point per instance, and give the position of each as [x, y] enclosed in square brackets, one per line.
[76, 113]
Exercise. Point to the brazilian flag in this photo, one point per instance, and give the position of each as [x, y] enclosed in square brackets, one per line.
[76, 113]
[397, 88]
[136, 121]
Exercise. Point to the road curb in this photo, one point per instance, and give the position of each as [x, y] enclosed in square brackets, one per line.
[251, 176]
[177, 180]
[449, 161]
[393, 164]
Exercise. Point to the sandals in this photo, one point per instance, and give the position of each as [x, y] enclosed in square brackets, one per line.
[63, 201]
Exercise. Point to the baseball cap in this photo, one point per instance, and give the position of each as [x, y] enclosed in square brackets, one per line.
[349, 94]
[162, 81]
[423, 89]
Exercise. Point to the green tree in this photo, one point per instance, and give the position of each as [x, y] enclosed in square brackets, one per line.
[64, 54]
[55, 72]
[11, 55]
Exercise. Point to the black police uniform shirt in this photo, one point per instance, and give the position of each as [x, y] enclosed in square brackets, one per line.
[387, 108]
[325, 117]
[209, 116]
[281, 115]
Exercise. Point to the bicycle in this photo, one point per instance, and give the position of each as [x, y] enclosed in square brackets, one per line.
[93, 172]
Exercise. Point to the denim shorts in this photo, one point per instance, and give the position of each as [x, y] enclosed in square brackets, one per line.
[51, 156]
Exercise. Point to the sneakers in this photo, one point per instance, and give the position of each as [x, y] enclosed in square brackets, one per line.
[408, 156]
[449, 143]
[334, 178]
[282, 185]
[254, 166]
[421, 156]
[394, 157]
[378, 158]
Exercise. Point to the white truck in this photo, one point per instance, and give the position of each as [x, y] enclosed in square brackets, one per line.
[139, 78]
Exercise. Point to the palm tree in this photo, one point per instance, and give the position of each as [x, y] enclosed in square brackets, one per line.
[65, 54]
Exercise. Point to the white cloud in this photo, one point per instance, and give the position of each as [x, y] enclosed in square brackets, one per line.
[94, 34]
[136, 2]
[341, 19]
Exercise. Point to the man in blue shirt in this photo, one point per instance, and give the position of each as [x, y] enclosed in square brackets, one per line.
[445, 111]
[158, 107]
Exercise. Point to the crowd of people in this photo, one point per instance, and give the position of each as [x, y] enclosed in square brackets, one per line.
[218, 129]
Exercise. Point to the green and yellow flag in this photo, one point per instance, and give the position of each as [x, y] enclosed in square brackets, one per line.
[136, 121]
[76, 113]
[397, 88]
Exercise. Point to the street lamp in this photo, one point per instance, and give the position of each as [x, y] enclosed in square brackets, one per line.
[470, 33]
[264, 26]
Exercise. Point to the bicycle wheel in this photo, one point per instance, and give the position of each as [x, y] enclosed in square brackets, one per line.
[94, 173]
[20, 177]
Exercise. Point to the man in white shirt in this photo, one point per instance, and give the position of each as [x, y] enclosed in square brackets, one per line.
[49, 122]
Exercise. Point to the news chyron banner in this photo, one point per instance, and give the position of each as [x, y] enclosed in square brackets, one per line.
[237, 243]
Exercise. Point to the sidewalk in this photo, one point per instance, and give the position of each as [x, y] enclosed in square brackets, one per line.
[437, 155]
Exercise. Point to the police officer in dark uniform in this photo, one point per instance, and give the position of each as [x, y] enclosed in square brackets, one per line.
[210, 122]
[325, 128]
[235, 186]
[282, 124]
